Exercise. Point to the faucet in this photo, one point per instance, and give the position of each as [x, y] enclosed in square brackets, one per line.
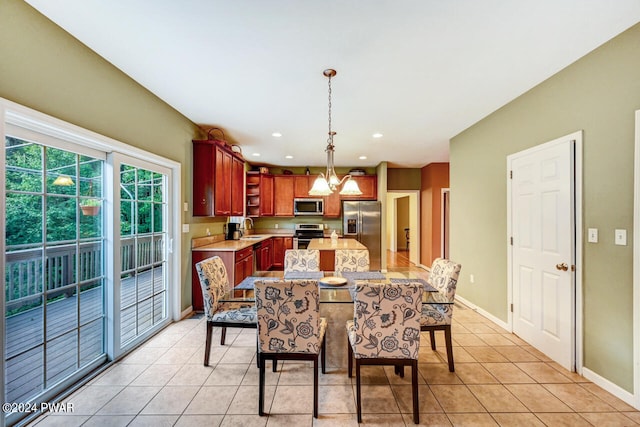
[250, 220]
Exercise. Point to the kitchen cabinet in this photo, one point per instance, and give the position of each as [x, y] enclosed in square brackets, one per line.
[217, 184]
[259, 194]
[332, 205]
[239, 264]
[280, 245]
[302, 184]
[368, 184]
[243, 265]
[283, 191]
[237, 186]
[264, 254]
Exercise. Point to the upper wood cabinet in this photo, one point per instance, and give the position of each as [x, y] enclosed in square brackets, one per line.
[237, 187]
[283, 194]
[302, 185]
[217, 179]
[332, 205]
[266, 195]
[259, 194]
[368, 185]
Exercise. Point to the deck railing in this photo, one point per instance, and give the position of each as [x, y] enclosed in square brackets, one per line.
[27, 270]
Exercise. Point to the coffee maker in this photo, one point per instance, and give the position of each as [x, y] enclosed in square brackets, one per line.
[233, 231]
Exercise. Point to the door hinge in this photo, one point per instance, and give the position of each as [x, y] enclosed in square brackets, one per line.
[512, 308]
[573, 267]
[511, 240]
[510, 174]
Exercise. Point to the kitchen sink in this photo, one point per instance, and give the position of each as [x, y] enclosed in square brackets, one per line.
[253, 237]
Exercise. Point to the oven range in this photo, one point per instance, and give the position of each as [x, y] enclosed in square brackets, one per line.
[304, 233]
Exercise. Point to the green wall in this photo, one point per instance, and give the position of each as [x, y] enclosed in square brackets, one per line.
[403, 179]
[46, 69]
[599, 95]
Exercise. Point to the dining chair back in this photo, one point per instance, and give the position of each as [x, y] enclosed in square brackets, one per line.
[444, 277]
[301, 260]
[351, 260]
[289, 327]
[385, 330]
[215, 284]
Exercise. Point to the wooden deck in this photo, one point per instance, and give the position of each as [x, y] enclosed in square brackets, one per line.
[29, 371]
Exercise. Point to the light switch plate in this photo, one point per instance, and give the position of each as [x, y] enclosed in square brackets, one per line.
[592, 235]
[621, 237]
[185, 228]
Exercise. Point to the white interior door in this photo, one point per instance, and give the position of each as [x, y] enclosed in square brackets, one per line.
[543, 233]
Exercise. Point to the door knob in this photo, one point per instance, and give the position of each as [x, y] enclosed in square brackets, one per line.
[563, 267]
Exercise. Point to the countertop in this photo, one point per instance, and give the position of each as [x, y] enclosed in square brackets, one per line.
[326, 244]
[217, 243]
[235, 245]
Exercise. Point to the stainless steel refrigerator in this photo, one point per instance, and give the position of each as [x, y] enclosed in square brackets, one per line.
[361, 220]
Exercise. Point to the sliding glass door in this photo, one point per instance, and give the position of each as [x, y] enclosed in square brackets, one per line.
[54, 267]
[143, 239]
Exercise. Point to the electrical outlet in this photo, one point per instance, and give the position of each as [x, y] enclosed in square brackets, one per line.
[185, 228]
[185, 207]
[277, 225]
[472, 279]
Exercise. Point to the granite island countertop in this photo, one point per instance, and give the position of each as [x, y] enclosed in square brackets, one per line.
[326, 244]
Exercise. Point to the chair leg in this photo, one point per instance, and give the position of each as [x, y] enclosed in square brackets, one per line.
[447, 338]
[207, 344]
[414, 390]
[315, 387]
[349, 358]
[323, 357]
[261, 387]
[223, 335]
[432, 335]
[358, 394]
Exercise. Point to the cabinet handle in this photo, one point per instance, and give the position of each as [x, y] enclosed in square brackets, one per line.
[204, 201]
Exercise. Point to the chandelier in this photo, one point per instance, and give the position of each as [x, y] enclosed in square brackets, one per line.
[327, 183]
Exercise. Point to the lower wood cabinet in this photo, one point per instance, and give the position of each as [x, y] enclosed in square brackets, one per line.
[243, 265]
[264, 254]
[280, 245]
[239, 264]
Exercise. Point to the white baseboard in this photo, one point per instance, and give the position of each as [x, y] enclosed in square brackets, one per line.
[186, 312]
[480, 311]
[604, 383]
[612, 388]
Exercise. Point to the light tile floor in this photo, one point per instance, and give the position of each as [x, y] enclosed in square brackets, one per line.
[499, 380]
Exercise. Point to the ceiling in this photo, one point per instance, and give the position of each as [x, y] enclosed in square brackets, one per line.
[417, 71]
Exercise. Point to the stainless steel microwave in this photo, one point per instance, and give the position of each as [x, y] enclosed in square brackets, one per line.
[308, 206]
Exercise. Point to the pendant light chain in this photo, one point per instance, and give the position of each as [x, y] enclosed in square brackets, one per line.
[324, 185]
[330, 139]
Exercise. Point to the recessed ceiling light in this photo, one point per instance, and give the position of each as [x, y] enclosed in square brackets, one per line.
[256, 154]
[377, 135]
[276, 134]
[363, 157]
[288, 157]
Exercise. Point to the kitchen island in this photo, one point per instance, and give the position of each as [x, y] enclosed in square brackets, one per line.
[327, 248]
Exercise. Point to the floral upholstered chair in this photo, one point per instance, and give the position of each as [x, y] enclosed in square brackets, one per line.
[437, 317]
[385, 330]
[351, 260]
[301, 260]
[289, 327]
[215, 283]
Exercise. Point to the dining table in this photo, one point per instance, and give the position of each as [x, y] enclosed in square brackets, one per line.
[336, 299]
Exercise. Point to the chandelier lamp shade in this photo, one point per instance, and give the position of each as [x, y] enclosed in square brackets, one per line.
[327, 183]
